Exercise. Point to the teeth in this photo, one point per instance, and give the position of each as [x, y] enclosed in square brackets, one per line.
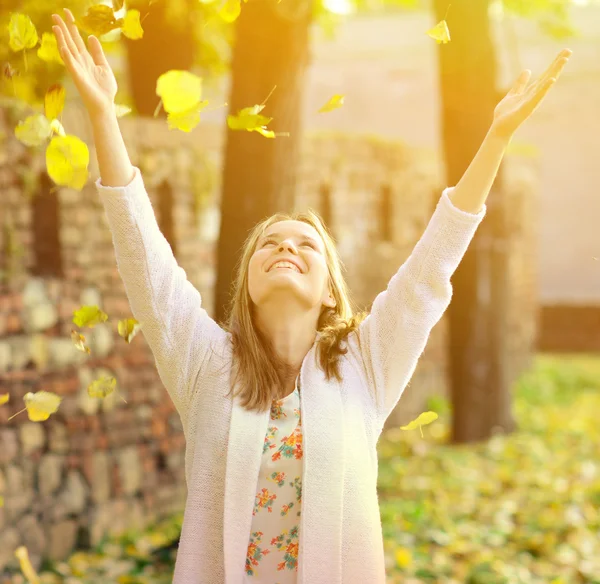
[284, 264]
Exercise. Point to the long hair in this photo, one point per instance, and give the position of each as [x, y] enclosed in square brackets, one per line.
[260, 372]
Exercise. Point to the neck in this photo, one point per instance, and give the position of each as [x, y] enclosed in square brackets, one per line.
[291, 332]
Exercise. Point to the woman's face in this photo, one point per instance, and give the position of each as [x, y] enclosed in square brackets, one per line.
[305, 278]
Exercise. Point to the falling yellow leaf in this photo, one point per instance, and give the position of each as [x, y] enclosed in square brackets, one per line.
[252, 120]
[122, 110]
[26, 567]
[89, 316]
[440, 32]
[79, 342]
[230, 10]
[54, 101]
[34, 130]
[403, 557]
[188, 120]
[422, 420]
[4, 397]
[48, 50]
[67, 159]
[132, 27]
[335, 102]
[100, 19]
[103, 387]
[180, 91]
[22, 33]
[40, 405]
[128, 328]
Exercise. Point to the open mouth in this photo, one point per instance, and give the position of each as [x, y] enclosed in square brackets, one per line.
[284, 265]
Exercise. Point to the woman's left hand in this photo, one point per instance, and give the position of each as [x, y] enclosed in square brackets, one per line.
[522, 100]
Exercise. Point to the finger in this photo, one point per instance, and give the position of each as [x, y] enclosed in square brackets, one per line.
[70, 61]
[521, 82]
[97, 52]
[541, 93]
[74, 32]
[68, 41]
[559, 62]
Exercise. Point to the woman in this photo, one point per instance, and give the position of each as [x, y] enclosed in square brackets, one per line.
[282, 408]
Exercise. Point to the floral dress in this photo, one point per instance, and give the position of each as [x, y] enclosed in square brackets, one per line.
[272, 556]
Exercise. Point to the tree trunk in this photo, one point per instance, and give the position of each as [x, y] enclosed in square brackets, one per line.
[168, 43]
[477, 314]
[260, 174]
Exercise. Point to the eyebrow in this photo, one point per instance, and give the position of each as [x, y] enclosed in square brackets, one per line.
[306, 237]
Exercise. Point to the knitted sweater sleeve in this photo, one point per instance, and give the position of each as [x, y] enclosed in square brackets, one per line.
[178, 330]
[394, 335]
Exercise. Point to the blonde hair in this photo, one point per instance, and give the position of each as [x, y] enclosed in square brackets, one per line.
[261, 372]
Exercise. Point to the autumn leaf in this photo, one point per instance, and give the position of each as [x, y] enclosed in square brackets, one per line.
[422, 420]
[403, 557]
[54, 101]
[180, 91]
[1, 501]
[40, 405]
[34, 130]
[128, 328]
[48, 50]
[188, 120]
[335, 102]
[100, 19]
[252, 120]
[26, 567]
[230, 10]
[67, 159]
[22, 33]
[440, 32]
[103, 387]
[4, 397]
[79, 342]
[132, 27]
[89, 316]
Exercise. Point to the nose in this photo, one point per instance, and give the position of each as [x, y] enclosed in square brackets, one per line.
[287, 245]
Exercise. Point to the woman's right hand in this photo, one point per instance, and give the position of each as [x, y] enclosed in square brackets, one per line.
[90, 71]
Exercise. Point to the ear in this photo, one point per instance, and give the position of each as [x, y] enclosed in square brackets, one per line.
[330, 302]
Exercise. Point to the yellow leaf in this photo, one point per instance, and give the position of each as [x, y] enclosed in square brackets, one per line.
[100, 19]
[335, 102]
[48, 50]
[128, 328]
[188, 120]
[422, 420]
[22, 33]
[89, 316]
[180, 91]
[403, 557]
[67, 159]
[102, 387]
[132, 27]
[34, 130]
[54, 101]
[230, 10]
[26, 567]
[41, 404]
[79, 342]
[1, 501]
[252, 120]
[440, 32]
[4, 397]
[122, 110]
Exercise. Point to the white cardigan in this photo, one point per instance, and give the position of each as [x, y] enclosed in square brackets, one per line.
[341, 535]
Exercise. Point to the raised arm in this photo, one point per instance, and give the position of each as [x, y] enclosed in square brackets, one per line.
[178, 330]
[395, 333]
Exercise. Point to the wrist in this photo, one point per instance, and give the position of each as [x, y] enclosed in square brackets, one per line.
[500, 135]
[102, 117]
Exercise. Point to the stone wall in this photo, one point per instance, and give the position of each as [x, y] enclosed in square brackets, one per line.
[96, 467]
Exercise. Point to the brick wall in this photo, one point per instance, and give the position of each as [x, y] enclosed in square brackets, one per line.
[96, 467]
